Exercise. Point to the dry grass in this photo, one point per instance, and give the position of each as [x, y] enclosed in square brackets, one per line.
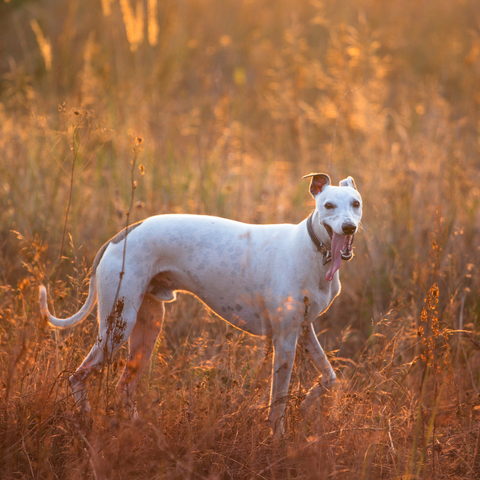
[235, 101]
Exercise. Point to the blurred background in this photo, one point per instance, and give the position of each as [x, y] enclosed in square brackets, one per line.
[222, 106]
[234, 101]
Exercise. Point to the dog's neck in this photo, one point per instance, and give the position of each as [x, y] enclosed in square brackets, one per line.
[319, 244]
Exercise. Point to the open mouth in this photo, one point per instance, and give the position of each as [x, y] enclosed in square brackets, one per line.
[329, 229]
[347, 253]
[341, 249]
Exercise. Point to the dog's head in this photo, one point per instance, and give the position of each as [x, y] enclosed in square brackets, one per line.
[340, 213]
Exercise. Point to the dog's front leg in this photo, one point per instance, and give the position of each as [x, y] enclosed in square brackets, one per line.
[315, 351]
[284, 344]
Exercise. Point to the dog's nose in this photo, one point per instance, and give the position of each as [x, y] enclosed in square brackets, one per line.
[348, 228]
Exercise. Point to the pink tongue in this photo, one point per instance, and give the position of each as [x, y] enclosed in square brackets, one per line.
[338, 241]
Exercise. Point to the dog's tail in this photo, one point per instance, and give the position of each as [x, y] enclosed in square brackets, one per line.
[86, 308]
[74, 319]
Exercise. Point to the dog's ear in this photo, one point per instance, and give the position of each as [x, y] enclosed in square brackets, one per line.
[318, 182]
[348, 182]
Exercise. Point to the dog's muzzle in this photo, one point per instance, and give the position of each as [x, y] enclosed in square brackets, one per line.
[347, 252]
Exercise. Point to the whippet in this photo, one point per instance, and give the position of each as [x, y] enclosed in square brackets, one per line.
[267, 280]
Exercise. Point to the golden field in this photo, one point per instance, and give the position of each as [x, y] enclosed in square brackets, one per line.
[219, 107]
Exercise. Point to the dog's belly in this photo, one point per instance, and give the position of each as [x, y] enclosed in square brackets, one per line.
[226, 299]
[244, 316]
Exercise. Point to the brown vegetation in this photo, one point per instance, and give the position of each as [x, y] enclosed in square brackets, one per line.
[235, 101]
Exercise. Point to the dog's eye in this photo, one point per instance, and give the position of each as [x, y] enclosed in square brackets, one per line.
[356, 203]
[329, 206]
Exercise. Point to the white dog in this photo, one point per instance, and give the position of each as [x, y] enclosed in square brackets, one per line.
[268, 280]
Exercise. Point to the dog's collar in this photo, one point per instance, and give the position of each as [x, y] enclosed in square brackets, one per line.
[321, 247]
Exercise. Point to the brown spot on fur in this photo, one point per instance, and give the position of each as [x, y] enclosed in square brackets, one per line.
[121, 235]
[116, 239]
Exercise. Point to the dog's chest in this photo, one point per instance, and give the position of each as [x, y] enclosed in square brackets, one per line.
[321, 297]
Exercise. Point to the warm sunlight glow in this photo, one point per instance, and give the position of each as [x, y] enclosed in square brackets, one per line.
[118, 114]
[44, 45]
[134, 22]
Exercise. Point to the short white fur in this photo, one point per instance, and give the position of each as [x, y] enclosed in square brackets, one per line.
[267, 280]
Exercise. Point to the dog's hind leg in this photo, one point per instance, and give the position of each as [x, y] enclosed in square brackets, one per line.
[115, 327]
[91, 364]
[141, 344]
[321, 363]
